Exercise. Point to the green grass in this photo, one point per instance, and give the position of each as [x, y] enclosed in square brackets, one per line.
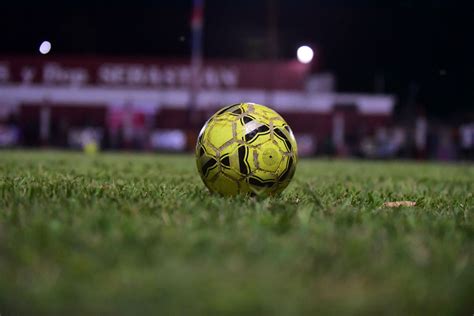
[138, 234]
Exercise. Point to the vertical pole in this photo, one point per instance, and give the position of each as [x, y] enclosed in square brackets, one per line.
[338, 132]
[197, 16]
[272, 48]
[45, 115]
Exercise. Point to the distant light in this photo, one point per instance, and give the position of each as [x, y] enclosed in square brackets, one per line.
[45, 47]
[305, 54]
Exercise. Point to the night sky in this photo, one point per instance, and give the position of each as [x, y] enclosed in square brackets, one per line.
[423, 50]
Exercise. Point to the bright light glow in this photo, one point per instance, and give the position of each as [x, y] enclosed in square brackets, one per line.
[305, 54]
[45, 47]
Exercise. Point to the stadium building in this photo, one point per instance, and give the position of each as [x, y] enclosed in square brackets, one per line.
[152, 104]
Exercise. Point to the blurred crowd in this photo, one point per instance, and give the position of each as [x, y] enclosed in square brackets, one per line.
[421, 139]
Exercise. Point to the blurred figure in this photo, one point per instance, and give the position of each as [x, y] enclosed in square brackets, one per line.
[421, 130]
[446, 150]
[9, 131]
[399, 140]
[90, 139]
[9, 135]
[338, 135]
[127, 128]
[382, 143]
[128, 131]
[368, 148]
[466, 135]
[114, 123]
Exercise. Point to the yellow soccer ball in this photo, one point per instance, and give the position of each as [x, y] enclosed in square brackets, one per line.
[246, 148]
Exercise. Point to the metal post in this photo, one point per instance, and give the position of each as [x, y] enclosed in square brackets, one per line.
[45, 118]
[196, 58]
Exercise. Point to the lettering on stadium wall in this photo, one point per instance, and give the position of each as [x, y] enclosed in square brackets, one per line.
[151, 73]
[54, 73]
[138, 75]
[171, 76]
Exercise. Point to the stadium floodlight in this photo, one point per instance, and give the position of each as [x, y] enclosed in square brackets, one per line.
[305, 54]
[45, 47]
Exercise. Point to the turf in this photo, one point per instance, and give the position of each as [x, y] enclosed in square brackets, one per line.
[129, 234]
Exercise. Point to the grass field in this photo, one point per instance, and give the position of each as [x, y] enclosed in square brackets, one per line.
[139, 234]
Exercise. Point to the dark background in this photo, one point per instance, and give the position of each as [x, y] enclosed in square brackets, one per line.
[422, 51]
